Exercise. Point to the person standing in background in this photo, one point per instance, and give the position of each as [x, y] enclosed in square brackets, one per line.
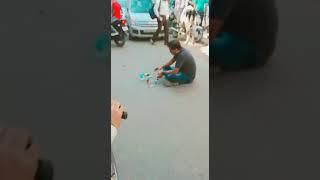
[171, 5]
[116, 14]
[200, 8]
[116, 9]
[161, 10]
[178, 8]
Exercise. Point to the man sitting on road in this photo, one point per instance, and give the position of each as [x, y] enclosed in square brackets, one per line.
[184, 70]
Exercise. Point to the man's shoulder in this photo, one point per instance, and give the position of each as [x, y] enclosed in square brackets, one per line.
[117, 4]
[185, 53]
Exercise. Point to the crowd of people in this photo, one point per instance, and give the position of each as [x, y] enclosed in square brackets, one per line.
[163, 8]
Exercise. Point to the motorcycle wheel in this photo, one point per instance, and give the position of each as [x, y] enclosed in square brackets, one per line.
[114, 175]
[182, 34]
[174, 34]
[120, 41]
[199, 34]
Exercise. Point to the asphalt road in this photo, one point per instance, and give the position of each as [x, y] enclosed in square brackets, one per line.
[167, 133]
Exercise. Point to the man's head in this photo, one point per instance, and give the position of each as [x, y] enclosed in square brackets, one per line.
[174, 47]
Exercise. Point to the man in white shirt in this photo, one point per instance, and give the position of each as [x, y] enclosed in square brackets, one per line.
[178, 7]
[161, 10]
[116, 114]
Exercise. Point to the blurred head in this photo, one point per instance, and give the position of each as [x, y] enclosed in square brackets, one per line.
[174, 47]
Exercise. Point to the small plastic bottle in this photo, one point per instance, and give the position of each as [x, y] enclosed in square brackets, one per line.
[141, 76]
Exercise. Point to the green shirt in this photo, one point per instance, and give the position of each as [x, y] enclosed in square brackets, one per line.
[200, 4]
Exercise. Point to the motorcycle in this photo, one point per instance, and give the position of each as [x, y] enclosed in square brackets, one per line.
[119, 32]
[179, 29]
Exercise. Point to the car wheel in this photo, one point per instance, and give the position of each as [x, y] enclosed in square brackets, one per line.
[199, 34]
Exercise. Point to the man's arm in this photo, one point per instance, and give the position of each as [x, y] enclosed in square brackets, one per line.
[169, 63]
[114, 132]
[174, 71]
[116, 113]
[112, 8]
[156, 7]
[179, 63]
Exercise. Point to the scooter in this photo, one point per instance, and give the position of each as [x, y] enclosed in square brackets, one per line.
[119, 32]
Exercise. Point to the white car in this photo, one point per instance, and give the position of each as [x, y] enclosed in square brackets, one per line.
[139, 21]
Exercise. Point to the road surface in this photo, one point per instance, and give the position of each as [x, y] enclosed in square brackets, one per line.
[167, 133]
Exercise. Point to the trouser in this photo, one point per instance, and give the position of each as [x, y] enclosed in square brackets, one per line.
[163, 23]
[201, 13]
[180, 77]
[177, 13]
[229, 50]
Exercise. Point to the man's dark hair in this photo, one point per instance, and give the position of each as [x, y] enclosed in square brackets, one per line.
[174, 44]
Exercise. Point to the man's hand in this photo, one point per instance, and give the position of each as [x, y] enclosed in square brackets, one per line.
[159, 18]
[160, 74]
[158, 68]
[18, 156]
[116, 113]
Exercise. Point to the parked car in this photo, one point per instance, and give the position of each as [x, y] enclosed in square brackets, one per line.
[139, 21]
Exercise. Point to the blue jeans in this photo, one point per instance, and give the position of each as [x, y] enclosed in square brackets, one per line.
[229, 50]
[180, 77]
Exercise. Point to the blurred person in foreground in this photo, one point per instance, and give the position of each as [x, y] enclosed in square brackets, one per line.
[242, 32]
[116, 118]
[18, 155]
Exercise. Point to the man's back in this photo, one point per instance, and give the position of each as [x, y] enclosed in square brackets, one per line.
[116, 8]
[186, 63]
[253, 20]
